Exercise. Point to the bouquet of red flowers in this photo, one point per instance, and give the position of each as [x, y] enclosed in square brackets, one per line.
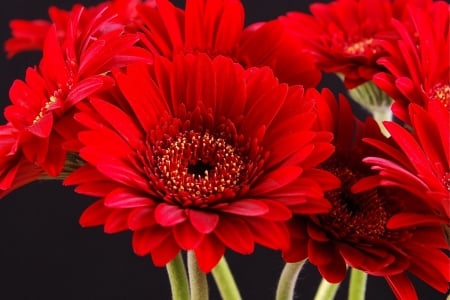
[200, 134]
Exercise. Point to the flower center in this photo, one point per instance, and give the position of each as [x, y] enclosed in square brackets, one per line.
[44, 109]
[441, 92]
[197, 165]
[361, 216]
[446, 180]
[361, 47]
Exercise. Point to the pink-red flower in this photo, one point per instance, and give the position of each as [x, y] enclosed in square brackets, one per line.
[205, 155]
[419, 61]
[344, 35]
[364, 229]
[68, 73]
[216, 27]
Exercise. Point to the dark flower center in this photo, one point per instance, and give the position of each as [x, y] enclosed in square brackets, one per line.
[200, 168]
[354, 217]
[197, 165]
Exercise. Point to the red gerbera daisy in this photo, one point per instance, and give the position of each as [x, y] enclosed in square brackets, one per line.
[212, 156]
[356, 232]
[30, 35]
[68, 73]
[343, 35]
[418, 62]
[216, 27]
[420, 164]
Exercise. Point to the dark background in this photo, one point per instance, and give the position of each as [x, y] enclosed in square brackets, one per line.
[45, 254]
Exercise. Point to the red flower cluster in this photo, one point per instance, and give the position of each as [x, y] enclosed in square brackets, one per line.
[199, 134]
[346, 36]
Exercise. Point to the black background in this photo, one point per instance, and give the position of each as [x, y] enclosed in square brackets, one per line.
[45, 254]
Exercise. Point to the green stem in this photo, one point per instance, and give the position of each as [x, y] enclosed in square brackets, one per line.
[326, 290]
[288, 278]
[225, 281]
[381, 114]
[357, 287]
[197, 279]
[178, 278]
[373, 99]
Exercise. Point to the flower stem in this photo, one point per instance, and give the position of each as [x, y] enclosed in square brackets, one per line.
[326, 290]
[197, 279]
[381, 114]
[178, 278]
[225, 281]
[357, 287]
[288, 278]
[374, 100]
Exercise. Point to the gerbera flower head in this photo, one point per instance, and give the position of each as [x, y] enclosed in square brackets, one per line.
[360, 229]
[216, 27]
[419, 160]
[343, 35]
[30, 35]
[418, 63]
[210, 156]
[69, 72]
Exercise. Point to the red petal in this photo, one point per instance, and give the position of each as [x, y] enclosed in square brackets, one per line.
[247, 207]
[96, 188]
[277, 211]
[235, 234]
[204, 222]
[120, 121]
[276, 179]
[402, 287]
[316, 233]
[165, 252]
[296, 252]
[126, 198]
[433, 269]
[116, 221]
[209, 252]
[353, 256]
[335, 271]
[141, 217]
[94, 215]
[187, 236]
[169, 215]
[320, 253]
[145, 240]
[258, 115]
[273, 235]
[43, 127]
[123, 173]
[312, 206]
[86, 88]
[402, 220]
